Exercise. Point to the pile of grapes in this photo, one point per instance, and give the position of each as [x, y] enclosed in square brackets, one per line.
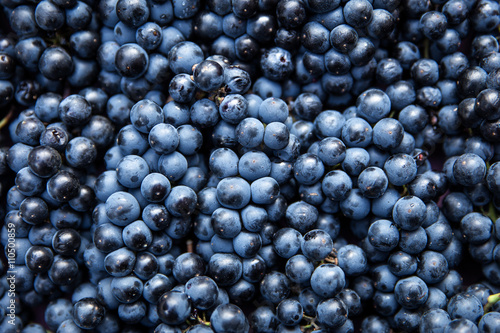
[236, 166]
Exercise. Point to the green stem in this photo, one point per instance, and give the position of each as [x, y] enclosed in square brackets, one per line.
[6, 119]
[202, 320]
[492, 212]
[405, 190]
[492, 300]
[311, 324]
[306, 327]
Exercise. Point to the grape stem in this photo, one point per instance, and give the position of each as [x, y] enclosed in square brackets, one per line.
[311, 325]
[6, 119]
[202, 319]
[492, 212]
[332, 258]
[492, 300]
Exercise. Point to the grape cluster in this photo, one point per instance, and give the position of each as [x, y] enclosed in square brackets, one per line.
[175, 166]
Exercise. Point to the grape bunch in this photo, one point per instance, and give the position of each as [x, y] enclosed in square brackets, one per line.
[234, 166]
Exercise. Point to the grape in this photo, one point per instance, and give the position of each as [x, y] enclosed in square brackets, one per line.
[244, 165]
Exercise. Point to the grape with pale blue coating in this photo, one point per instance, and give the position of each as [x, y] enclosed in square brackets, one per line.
[287, 242]
[182, 88]
[107, 184]
[126, 289]
[383, 235]
[373, 105]
[276, 64]
[229, 318]
[409, 213]
[253, 218]
[254, 102]
[122, 208]
[469, 169]
[411, 292]
[226, 222]
[308, 169]
[237, 80]
[145, 114]
[46, 106]
[208, 75]
[476, 228]
[373, 182]
[247, 244]
[387, 133]
[328, 280]
[131, 171]
[254, 165]
[299, 269]
[382, 206]
[207, 200]
[190, 139]
[181, 201]
[250, 132]
[80, 152]
[224, 135]
[434, 319]
[301, 216]
[223, 163]
[489, 321]
[316, 245]
[291, 151]
[108, 238]
[352, 259]
[432, 267]
[355, 205]
[400, 169]
[179, 63]
[413, 242]
[137, 236]
[204, 113]
[329, 123]
[174, 307]
[173, 165]
[233, 108]
[131, 141]
[264, 190]
[357, 132]
[276, 135]
[202, 291]
[221, 245]
[331, 151]
[233, 192]
[131, 60]
[225, 269]
[163, 138]
[332, 312]
[312, 194]
[273, 110]
[202, 227]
